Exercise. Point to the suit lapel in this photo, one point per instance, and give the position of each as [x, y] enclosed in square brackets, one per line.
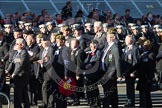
[109, 55]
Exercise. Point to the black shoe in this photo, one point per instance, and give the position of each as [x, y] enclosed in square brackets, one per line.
[42, 106]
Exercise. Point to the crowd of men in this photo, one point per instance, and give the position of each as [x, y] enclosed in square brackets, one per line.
[51, 60]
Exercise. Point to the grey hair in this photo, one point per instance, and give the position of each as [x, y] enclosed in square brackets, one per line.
[22, 41]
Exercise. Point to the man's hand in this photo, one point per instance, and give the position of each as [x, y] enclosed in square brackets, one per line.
[66, 78]
[6, 72]
[30, 53]
[88, 66]
[40, 61]
[77, 77]
[132, 75]
[13, 75]
[46, 58]
[119, 78]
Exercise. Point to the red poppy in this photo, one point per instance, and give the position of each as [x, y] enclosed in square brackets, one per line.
[67, 87]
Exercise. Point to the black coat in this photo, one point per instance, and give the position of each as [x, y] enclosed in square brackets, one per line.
[131, 58]
[44, 71]
[145, 70]
[77, 62]
[60, 63]
[35, 49]
[3, 52]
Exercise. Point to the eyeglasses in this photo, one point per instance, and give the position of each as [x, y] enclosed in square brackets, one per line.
[8, 27]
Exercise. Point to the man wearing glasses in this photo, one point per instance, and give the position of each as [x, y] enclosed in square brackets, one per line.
[20, 66]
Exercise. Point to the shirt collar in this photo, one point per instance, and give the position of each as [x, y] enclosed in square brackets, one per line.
[18, 51]
[75, 49]
[130, 47]
[110, 44]
[78, 38]
[66, 37]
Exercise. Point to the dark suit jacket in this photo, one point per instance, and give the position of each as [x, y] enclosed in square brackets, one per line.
[43, 70]
[146, 70]
[21, 68]
[3, 51]
[82, 43]
[54, 47]
[77, 61]
[61, 62]
[112, 62]
[9, 37]
[35, 49]
[131, 58]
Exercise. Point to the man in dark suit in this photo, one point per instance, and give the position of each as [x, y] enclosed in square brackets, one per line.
[45, 55]
[145, 71]
[135, 33]
[50, 27]
[111, 66]
[66, 32]
[78, 36]
[3, 51]
[148, 34]
[43, 31]
[131, 58]
[17, 34]
[33, 49]
[20, 65]
[77, 58]
[53, 40]
[60, 64]
[8, 33]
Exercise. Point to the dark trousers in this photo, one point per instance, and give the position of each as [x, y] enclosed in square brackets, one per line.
[38, 85]
[33, 97]
[145, 99]
[47, 94]
[110, 93]
[130, 90]
[80, 83]
[59, 99]
[77, 95]
[92, 93]
[20, 96]
[61, 103]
